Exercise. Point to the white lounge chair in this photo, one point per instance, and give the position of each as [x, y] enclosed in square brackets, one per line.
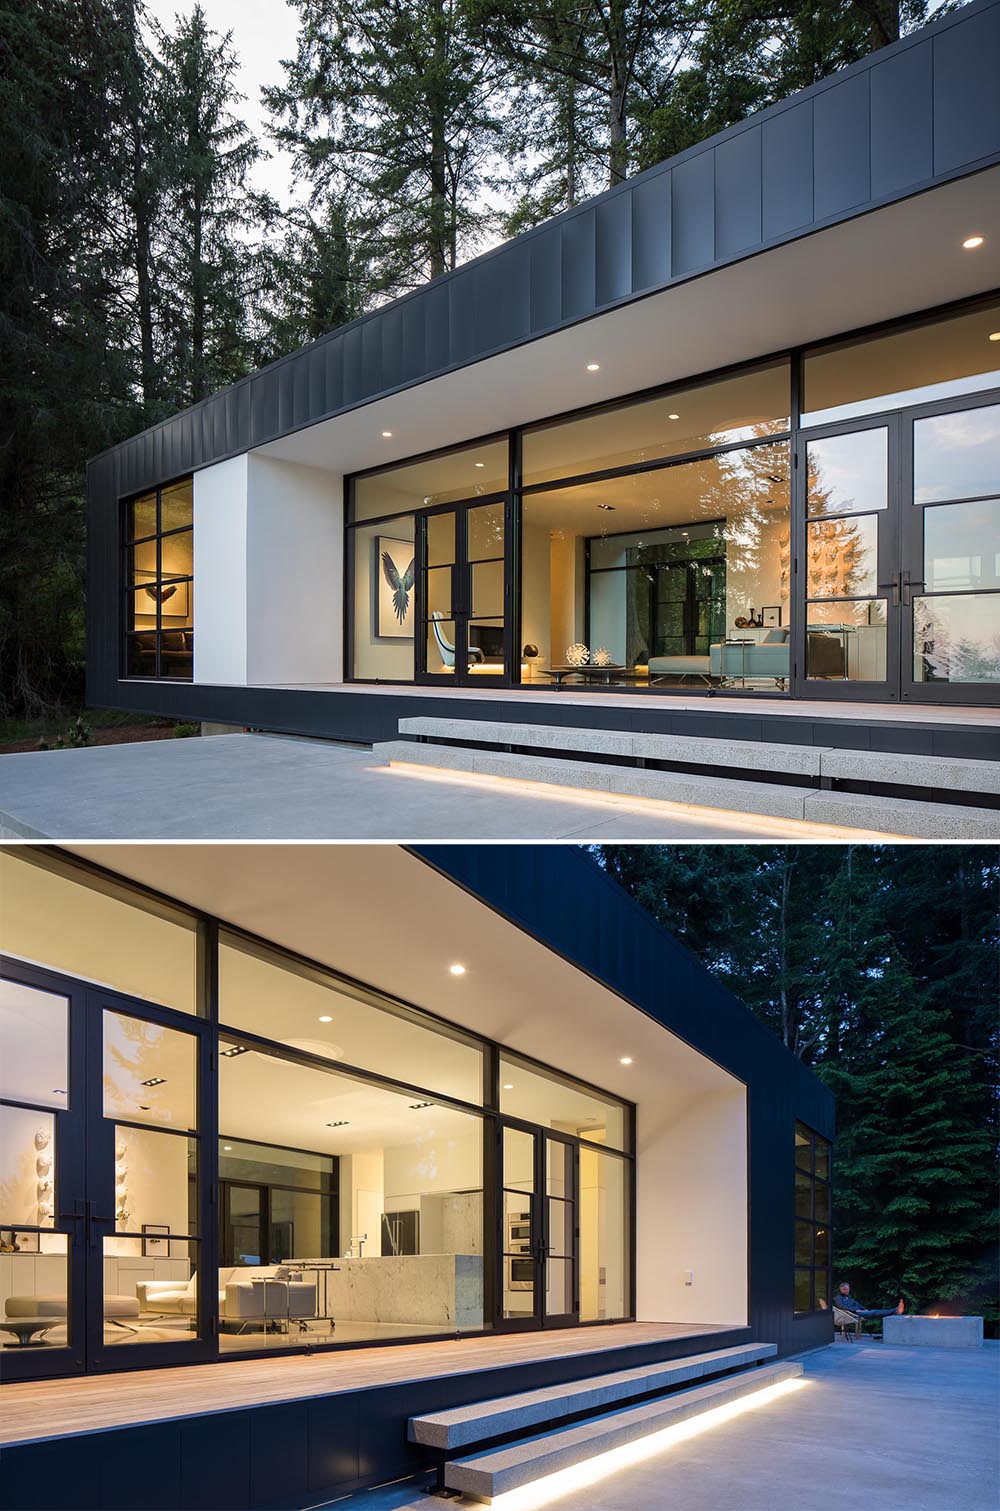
[445, 648]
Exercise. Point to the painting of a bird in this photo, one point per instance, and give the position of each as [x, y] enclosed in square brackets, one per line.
[401, 587]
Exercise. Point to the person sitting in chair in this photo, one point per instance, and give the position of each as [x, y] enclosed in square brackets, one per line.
[848, 1303]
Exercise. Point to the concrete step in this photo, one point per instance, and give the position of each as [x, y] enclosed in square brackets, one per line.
[457, 1428]
[936, 772]
[483, 1476]
[901, 818]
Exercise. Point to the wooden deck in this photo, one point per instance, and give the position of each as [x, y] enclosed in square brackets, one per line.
[43, 1409]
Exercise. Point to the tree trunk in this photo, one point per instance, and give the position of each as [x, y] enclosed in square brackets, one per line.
[618, 59]
[199, 386]
[442, 237]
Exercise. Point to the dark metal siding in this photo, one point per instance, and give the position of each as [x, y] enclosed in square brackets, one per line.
[560, 897]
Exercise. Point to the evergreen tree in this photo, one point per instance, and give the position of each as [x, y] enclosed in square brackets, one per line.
[391, 104]
[318, 278]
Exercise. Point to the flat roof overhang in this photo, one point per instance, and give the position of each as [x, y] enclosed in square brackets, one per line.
[835, 208]
[381, 914]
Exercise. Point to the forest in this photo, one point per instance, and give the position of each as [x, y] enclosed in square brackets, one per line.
[141, 268]
[879, 967]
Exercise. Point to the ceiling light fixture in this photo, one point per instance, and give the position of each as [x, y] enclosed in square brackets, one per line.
[673, 416]
[972, 242]
[995, 335]
[480, 464]
[155, 1081]
[233, 1050]
[610, 507]
[57, 1091]
[387, 435]
[325, 1018]
[593, 367]
[508, 1086]
[227, 1148]
[341, 1123]
[625, 1060]
[418, 1106]
[456, 969]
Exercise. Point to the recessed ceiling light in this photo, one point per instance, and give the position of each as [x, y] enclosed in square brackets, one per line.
[234, 1049]
[419, 1106]
[593, 367]
[155, 1081]
[673, 416]
[227, 1148]
[325, 1018]
[508, 1086]
[480, 464]
[457, 970]
[57, 1091]
[610, 507]
[340, 1123]
[995, 335]
[972, 242]
[625, 1060]
[387, 435]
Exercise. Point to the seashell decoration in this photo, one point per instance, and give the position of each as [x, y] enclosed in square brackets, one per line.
[601, 657]
[577, 654]
[42, 1138]
[44, 1190]
[120, 1150]
[43, 1165]
[121, 1176]
[44, 1211]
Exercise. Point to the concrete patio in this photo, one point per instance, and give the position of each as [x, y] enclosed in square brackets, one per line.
[242, 786]
[874, 1428]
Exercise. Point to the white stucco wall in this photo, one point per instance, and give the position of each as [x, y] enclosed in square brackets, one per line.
[691, 1209]
[220, 572]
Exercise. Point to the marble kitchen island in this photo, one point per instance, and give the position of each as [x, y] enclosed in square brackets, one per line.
[436, 1290]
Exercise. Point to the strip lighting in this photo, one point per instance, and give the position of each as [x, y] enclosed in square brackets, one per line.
[580, 1477]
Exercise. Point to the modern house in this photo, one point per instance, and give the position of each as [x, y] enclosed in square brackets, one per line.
[267, 1111]
[733, 427]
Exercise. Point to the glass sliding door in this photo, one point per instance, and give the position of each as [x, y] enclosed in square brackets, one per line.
[462, 577]
[539, 1228]
[950, 583]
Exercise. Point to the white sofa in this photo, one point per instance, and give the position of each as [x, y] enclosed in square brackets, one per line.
[245, 1296]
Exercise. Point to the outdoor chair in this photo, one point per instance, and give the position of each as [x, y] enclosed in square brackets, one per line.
[847, 1324]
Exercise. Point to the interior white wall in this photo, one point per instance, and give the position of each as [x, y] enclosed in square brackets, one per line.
[535, 616]
[294, 573]
[220, 572]
[691, 1208]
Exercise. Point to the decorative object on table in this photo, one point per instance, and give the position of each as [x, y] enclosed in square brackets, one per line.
[771, 617]
[26, 1243]
[601, 657]
[742, 622]
[396, 567]
[155, 1240]
[530, 652]
[577, 654]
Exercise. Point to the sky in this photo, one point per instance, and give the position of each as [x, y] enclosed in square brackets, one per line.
[263, 33]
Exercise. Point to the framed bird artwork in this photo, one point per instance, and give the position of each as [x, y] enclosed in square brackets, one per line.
[396, 564]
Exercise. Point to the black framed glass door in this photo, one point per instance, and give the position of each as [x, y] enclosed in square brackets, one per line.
[103, 1129]
[950, 553]
[463, 594]
[539, 1228]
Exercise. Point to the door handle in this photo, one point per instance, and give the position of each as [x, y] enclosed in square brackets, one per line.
[909, 584]
[892, 587]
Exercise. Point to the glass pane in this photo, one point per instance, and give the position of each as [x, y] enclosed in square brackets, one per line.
[466, 473]
[558, 1168]
[140, 610]
[700, 554]
[957, 639]
[803, 1290]
[822, 1260]
[142, 516]
[487, 589]
[440, 644]
[848, 474]
[485, 532]
[176, 604]
[803, 1194]
[177, 555]
[558, 1287]
[803, 1148]
[176, 653]
[300, 1225]
[35, 1306]
[518, 1160]
[86, 928]
[957, 455]
[142, 563]
[842, 557]
[300, 1006]
[603, 1249]
[27, 1166]
[562, 1221]
[552, 1102]
[156, 1177]
[438, 585]
[822, 1159]
[519, 1287]
[384, 599]
[34, 1045]
[847, 640]
[244, 1230]
[486, 647]
[176, 507]
[140, 655]
[440, 540]
[150, 1297]
[746, 407]
[265, 1164]
[962, 546]
[149, 1072]
[951, 356]
[803, 1242]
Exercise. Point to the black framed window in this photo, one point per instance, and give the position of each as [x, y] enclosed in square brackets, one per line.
[813, 1246]
[158, 583]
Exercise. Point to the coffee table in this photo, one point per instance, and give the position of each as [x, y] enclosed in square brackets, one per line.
[24, 1329]
[590, 673]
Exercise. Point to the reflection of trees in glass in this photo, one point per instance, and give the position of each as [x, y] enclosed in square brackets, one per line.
[940, 657]
[837, 559]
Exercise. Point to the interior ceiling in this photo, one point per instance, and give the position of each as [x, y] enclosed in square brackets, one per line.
[382, 915]
[850, 275]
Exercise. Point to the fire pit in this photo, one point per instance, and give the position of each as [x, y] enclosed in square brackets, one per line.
[933, 1332]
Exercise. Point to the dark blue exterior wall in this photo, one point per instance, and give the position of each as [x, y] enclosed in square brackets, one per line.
[559, 895]
[904, 119]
